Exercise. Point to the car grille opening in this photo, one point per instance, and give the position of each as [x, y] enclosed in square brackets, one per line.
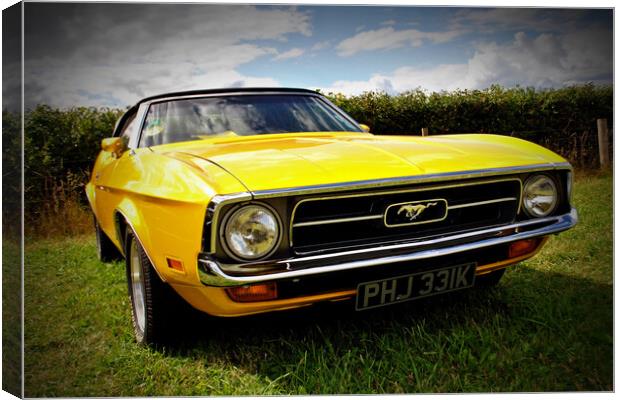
[320, 224]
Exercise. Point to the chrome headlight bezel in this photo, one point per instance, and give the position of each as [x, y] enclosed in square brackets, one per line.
[528, 185]
[234, 213]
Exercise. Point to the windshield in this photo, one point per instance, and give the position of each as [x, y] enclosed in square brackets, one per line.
[241, 115]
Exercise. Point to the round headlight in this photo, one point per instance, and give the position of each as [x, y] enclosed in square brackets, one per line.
[540, 196]
[252, 232]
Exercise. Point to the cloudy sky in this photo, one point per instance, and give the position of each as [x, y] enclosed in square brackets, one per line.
[115, 54]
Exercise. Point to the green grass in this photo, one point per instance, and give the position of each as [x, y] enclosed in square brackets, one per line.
[11, 314]
[547, 327]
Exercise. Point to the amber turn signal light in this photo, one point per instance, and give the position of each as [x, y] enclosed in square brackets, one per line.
[175, 264]
[522, 247]
[248, 293]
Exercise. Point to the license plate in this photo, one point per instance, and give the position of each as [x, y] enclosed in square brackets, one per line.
[414, 286]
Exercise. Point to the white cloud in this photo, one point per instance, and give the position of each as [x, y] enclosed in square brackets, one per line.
[111, 90]
[490, 20]
[402, 79]
[321, 45]
[389, 38]
[292, 53]
[545, 60]
[376, 82]
[95, 57]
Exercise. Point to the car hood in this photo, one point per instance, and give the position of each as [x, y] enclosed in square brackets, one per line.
[269, 162]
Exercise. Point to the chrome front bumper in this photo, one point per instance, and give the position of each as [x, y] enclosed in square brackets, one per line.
[213, 273]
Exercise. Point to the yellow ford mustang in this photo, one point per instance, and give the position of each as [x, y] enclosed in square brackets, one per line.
[243, 201]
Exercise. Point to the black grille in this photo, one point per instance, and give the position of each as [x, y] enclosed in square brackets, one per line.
[321, 224]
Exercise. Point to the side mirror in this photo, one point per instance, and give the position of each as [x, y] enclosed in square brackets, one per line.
[114, 145]
[365, 128]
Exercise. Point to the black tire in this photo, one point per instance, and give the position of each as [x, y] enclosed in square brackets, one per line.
[106, 250]
[491, 279]
[152, 301]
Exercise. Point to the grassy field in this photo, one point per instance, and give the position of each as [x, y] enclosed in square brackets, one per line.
[546, 327]
[11, 314]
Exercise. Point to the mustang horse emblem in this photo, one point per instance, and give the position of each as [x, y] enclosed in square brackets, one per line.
[414, 210]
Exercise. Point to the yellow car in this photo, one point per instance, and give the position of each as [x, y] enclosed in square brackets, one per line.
[243, 201]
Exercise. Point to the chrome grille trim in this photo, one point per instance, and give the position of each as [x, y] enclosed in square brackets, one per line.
[379, 216]
[293, 225]
[337, 220]
[219, 200]
[482, 203]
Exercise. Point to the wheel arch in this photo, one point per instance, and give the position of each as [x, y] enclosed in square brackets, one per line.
[127, 216]
[120, 227]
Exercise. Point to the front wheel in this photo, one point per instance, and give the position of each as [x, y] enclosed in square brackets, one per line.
[150, 298]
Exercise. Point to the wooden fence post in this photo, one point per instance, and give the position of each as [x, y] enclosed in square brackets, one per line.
[603, 142]
[424, 131]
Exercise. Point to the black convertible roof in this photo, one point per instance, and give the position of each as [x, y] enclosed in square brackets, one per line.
[226, 90]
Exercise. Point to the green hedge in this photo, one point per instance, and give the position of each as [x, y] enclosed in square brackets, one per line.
[563, 120]
[61, 145]
[61, 142]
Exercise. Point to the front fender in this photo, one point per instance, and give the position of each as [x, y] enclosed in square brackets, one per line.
[164, 201]
[167, 229]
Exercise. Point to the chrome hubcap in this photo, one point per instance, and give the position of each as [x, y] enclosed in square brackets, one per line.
[137, 286]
